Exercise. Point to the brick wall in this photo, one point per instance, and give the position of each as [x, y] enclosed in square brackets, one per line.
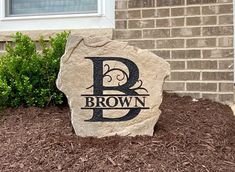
[194, 36]
[6, 36]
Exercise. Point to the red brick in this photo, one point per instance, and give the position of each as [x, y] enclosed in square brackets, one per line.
[122, 24]
[163, 12]
[226, 42]
[226, 97]
[193, 2]
[177, 22]
[184, 76]
[193, 21]
[188, 54]
[135, 24]
[209, 20]
[225, 9]
[121, 14]
[144, 44]
[226, 64]
[162, 22]
[120, 4]
[210, 10]
[226, 87]
[217, 76]
[227, 19]
[210, 96]
[162, 3]
[218, 53]
[127, 34]
[190, 2]
[176, 65]
[141, 3]
[150, 13]
[177, 11]
[199, 64]
[202, 87]
[203, 42]
[156, 33]
[217, 31]
[193, 11]
[174, 86]
[170, 43]
[134, 14]
[186, 32]
[163, 53]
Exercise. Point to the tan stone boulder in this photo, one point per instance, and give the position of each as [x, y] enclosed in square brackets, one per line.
[112, 88]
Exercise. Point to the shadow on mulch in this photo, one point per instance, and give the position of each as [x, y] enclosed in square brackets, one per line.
[189, 136]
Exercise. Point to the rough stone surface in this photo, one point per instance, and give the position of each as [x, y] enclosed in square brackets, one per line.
[233, 108]
[110, 78]
[36, 34]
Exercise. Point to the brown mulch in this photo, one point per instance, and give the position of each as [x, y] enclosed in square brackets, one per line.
[189, 136]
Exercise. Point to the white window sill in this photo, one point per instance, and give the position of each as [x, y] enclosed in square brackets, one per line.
[51, 17]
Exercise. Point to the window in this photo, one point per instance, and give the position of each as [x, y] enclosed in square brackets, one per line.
[50, 7]
[19, 15]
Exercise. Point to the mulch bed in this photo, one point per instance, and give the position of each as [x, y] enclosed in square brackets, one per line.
[189, 136]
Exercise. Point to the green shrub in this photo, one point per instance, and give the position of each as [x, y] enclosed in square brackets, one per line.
[28, 77]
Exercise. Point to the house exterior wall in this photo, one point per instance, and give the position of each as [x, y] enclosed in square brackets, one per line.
[194, 36]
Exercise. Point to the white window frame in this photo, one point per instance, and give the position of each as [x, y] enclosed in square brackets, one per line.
[104, 18]
[47, 16]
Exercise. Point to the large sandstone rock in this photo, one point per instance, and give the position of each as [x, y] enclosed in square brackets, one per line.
[112, 88]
